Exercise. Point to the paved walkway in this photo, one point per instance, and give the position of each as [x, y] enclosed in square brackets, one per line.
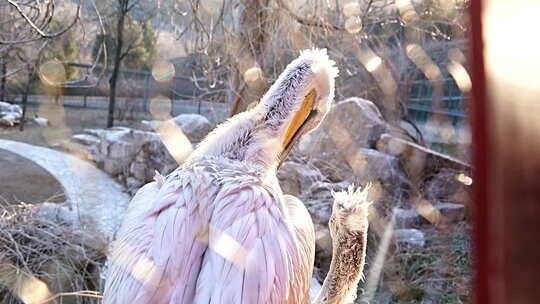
[91, 191]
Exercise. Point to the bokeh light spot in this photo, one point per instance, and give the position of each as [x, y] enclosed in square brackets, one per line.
[252, 74]
[52, 72]
[456, 55]
[464, 179]
[175, 141]
[55, 113]
[406, 10]
[460, 75]
[351, 9]
[33, 290]
[163, 71]
[227, 247]
[373, 63]
[160, 108]
[353, 25]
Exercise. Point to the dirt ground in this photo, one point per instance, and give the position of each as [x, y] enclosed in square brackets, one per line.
[24, 181]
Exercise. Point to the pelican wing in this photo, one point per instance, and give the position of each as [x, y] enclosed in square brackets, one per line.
[196, 239]
[159, 247]
[257, 254]
[304, 232]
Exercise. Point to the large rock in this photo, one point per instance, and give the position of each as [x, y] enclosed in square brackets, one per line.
[370, 166]
[86, 139]
[448, 185]
[435, 214]
[132, 156]
[451, 213]
[407, 218]
[323, 250]
[418, 161]
[10, 114]
[323, 246]
[336, 146]
[58, 213]
[8, 107]
[194, 126]
[151, 157]
[320, 210]
[119, 146]
[296, 178]
[410, 237]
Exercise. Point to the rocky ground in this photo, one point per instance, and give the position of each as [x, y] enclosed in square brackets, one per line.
[418, 221]
[16, 170]
[134, 155]
[419, 193]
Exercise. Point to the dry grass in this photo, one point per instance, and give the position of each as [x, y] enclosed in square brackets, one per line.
[438, 273]
[43, 258]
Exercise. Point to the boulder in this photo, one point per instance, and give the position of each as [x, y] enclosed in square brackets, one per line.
[10, 108]
[407, 218]
[10, 114]
[448, 185]
[119, 146]
[436, 214]
[195, 126]
[288, 178]
[452, 213]
[323, 241]
[320, 210]
[296, 178]
[410, 237]
[350, 125]
[138, 171]
[9, 119]
[150, 125]
[323, 247]
[152, 156]
[369, 166]
[418, 161]
[86, 139]
[131, 155]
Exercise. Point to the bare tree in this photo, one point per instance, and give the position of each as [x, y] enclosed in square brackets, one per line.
[122, 49]
[25, 23]
[28, 27]
[368, 39]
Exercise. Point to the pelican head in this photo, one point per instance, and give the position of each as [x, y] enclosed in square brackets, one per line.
[293, 106]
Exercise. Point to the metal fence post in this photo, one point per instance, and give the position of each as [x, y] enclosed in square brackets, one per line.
[146, 92]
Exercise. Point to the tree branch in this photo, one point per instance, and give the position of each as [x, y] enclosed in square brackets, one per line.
[37, 29]
[316, 23]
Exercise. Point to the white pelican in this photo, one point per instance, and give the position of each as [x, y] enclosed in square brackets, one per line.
[219, 229]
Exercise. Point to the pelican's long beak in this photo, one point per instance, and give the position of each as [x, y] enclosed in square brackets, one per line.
[299, 118]
[298, 125]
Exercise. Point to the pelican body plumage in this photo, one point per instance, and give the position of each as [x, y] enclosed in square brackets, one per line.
[219, 229]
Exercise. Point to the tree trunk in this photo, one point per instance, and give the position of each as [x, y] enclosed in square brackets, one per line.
[25, 97]
[117, 63]
[3, 85]
[253, 36]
